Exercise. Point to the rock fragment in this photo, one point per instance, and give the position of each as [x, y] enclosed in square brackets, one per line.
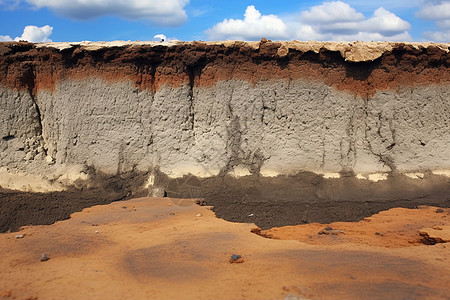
[44, 257]
[200, 202]
[330, 231]
[157, 192]
[283, 51]
[236, 259]
[432, 236]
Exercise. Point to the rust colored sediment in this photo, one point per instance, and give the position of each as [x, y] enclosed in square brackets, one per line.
[35, 67]
[394, 228]
[167, 248]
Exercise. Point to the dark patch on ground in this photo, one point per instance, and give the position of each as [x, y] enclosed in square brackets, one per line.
[266, 201]
[20, 208]
[307, 197]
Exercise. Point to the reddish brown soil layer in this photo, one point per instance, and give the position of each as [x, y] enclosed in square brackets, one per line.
[24, 66]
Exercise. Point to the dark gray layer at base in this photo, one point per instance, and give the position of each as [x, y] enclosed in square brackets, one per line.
[307, 197]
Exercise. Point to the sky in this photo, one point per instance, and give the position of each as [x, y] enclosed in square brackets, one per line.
[188, 20]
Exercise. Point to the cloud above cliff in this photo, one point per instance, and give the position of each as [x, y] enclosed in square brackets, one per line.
[252, 27]
[36, 34]
[5, 38]
[161, 12]
[435, 10]
[331, 12]
[339, 21]
[329, 21]
[32, 34]
[439, 12]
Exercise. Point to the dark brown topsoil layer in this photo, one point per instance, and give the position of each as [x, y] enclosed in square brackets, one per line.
[25, 66]
[266, 201]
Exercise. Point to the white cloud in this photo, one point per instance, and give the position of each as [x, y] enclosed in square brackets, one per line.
[329, 21]
[36, 34]
[162, 12]
[160, 37]
[5, 38]
[254, 26]
[443, 23]
[438, 36]
[439, 12]
[385, 22]
[331, 12]
[388, 4]
[435, 11]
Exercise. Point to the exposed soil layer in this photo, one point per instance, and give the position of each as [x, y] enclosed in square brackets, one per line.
[266, 201]
[308, 197]
[26, 66]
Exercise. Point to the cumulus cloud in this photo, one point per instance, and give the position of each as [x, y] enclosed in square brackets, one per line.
[439, 12]
[252, 27]
[385, 22]
[31, 34]
[5, 38]
[339, 21]
[435, 10]
[331, 12]
[36, 34]
[329, 21]
[160, 37]
[161, 12]
[443, 23]
[438, 36]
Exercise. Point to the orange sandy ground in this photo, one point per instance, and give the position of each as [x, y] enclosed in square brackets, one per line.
[161, 248]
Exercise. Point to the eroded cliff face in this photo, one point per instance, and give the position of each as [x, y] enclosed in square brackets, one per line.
[211, 109]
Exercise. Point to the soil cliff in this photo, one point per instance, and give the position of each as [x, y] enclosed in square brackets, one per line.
[194, 117]
[212, 108]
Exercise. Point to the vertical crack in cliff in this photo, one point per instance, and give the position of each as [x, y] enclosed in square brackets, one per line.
[348, 155]
[233, 141]
[28, 79]
[194, 66]
[385, 159]
[38, 115]
[191, 75]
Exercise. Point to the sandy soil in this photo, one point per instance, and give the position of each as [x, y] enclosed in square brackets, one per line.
[395, 228]
[162, 248]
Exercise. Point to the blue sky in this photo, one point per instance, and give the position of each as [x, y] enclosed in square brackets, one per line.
[108, 20]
